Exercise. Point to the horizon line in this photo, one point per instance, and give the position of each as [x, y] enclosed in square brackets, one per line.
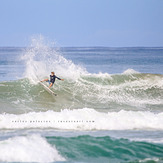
[86, 47]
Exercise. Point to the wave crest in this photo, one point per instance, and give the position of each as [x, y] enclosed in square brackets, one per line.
[32, 148]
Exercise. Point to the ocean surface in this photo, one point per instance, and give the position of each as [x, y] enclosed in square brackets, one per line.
[108, 109]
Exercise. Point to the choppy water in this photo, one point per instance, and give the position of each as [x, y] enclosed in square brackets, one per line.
[109, 108]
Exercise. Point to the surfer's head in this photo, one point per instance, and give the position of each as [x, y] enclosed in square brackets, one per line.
[52, 73]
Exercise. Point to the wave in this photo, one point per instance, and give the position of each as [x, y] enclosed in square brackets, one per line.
[104, 92]
[33, 148]
[84, 119]
[130, 90]
[105, 149]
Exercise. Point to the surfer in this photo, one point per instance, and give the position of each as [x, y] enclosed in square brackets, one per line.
[52, 79]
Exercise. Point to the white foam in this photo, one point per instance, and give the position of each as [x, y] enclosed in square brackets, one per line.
[99, 75]
[32, 148]
[41, 59]
[78, 119]
[130, 72]
[132, 91]
[150, 140]
[150, 160]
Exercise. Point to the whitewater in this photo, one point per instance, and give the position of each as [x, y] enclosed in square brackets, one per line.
[108, 108]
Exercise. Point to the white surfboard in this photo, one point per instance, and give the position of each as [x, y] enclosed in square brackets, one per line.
[48, 89]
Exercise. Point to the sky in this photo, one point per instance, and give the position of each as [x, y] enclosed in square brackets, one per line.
[111, 23]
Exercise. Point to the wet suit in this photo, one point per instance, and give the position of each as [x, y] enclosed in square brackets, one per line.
[52, 79]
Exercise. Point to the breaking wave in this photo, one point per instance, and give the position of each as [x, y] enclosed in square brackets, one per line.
[84, 119]
[33, 148]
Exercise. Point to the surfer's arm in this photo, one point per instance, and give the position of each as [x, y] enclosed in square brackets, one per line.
[59, 78]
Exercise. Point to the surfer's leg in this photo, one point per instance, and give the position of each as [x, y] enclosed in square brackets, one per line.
[45, 80]
[50, 85]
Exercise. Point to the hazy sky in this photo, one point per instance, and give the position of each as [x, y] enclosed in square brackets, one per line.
[82, 22]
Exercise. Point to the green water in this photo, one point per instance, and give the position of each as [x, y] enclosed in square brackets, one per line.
[105, 149]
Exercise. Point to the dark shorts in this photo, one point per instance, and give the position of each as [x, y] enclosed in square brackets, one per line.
[49, 82]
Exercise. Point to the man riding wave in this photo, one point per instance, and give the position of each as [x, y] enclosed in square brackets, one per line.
[52, 79]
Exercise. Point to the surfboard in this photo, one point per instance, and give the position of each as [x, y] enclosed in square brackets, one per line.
[48, 89]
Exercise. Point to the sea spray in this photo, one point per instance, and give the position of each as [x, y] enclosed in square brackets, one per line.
[41, 59]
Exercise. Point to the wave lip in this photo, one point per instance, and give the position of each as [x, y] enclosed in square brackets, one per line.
[84, 119]
[31, 148]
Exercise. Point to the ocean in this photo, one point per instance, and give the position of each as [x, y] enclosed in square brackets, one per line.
[108, 109]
